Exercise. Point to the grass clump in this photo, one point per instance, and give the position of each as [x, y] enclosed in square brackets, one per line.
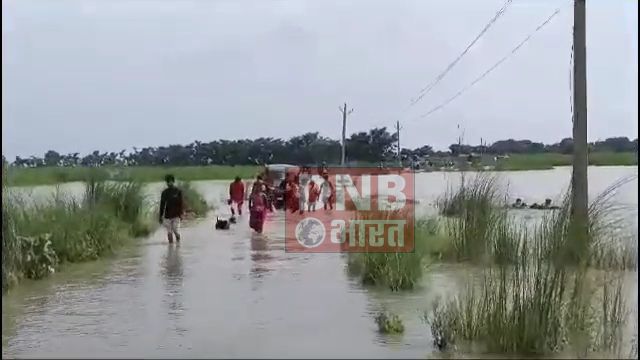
[37, 239]
[477, 223]
[605, 246]
[395, 270]
[194, 201]
[125, 200]
[38, 257]
[389, 323]
[11, 248]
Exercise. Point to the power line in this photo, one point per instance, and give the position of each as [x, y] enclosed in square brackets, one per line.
[434, 82]
[459, 93]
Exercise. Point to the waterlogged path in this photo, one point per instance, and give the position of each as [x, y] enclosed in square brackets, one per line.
[234, 294]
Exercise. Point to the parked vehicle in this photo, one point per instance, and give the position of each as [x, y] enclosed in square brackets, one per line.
[274, 177]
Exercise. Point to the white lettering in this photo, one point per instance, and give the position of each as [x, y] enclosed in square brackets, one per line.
[376, 233]
[385, 191]
[338, 233]
[362, 201]
[396, 232]
[376, 229]
[359, 231]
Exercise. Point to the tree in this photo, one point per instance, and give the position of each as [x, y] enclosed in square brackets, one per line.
[52, 158]
[370, 146]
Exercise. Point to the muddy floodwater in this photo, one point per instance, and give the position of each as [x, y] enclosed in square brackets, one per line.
[234, 294]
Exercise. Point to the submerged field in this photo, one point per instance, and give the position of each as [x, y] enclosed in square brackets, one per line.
[145, 174]
[471, 289]
[56, 175]
[547, 161]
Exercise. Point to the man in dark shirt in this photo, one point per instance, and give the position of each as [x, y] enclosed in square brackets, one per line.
[171, 208]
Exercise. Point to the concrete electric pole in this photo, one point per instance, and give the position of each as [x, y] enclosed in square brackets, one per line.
[579, 180]
[344, 112]
[398, 128]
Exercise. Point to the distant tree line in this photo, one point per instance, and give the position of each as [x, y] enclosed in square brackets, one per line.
[376, 145]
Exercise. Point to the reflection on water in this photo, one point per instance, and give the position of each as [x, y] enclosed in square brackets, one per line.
[238, 294]
[262, 260]
[173, 277]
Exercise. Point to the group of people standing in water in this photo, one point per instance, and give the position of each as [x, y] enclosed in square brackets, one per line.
[297, 190]
[519, 204]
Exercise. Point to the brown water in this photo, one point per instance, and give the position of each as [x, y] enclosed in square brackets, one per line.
[233, 294]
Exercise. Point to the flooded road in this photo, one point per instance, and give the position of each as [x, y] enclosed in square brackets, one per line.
[234, 294]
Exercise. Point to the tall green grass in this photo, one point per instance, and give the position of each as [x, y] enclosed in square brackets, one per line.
[479, 228]
[606, 246]
[194, 201]
[124, 200]
[37, 239]
[10, 242]
[395, 270]
[547, 298]
[476, 221]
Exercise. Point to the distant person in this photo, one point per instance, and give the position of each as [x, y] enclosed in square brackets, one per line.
[258, 206]
[304, 177]
[257, 184]
[293, 194]
[547, 205]
[314, 195]
[327, 192]
[322, 168]
[519, 204]
[236, 195]
[171, 208]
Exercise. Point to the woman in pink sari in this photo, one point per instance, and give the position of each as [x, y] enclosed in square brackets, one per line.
[258, 206]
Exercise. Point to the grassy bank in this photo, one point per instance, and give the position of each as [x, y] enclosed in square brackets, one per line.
[56, 175]
[37, 240]
[547, 161]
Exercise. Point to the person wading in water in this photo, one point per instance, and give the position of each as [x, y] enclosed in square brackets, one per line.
[327, 191]
[171, 208]
[258, 206]
[236, 195]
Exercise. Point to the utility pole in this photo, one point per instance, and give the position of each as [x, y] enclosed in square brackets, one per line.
[398, 128]
[579, 183]
[344, 112]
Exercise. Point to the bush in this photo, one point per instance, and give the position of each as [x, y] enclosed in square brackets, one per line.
[11, 255]
[194, 202]
[38, 238]
[389, 323]
[39, 259]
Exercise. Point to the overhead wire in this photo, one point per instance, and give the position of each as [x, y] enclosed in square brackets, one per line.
[492, 68]
[424, 91]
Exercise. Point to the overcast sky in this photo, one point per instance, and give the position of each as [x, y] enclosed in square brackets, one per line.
[83, 75]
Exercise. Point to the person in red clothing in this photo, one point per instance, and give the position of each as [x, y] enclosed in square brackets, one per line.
[236, 195]
[314, 195]
[293, 194]
[258, 207]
